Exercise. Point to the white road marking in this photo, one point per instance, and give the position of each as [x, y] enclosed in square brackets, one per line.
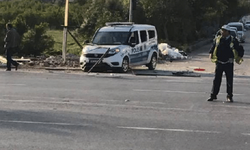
[181, 92]
[43, 123]
[232, 106]
[8, 84]
[166, 91]
[119, 127]
[234, 94]
[170, 130]
[102, 103]
[80, 100]
[95, 104]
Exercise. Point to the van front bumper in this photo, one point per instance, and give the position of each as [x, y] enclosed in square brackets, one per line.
[114, 61]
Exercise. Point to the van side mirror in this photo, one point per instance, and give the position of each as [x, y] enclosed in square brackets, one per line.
[132, 42]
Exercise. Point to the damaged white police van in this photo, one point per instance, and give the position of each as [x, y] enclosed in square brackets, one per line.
[121, 45]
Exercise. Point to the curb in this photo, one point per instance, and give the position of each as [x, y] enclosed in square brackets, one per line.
[61, 69]
[133, 72]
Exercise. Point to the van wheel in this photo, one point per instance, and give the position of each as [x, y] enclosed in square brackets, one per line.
[125, 65]
[153, 63]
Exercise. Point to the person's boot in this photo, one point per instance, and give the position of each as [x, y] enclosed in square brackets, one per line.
[230, 99]
[211, 98]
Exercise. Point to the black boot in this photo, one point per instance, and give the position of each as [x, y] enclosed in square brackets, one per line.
[211, 98]
[230, 99]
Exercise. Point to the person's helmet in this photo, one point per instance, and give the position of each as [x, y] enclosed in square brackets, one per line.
[226, 27]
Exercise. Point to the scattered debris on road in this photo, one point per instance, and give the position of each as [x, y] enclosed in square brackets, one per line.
[166, 73]
[199, 69]
[186, 74]
[127, 100]
[3, 61]
[171, 53]
[43, 61]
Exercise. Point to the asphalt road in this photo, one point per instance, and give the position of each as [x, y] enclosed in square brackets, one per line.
[56, 111]
[50, 110]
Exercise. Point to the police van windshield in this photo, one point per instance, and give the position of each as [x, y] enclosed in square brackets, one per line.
[111, 38]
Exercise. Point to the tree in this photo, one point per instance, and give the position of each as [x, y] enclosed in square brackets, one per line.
[171, 18]
[81, 2]
[2, 35]
[98, 13]
[178, 22]
[35, 41]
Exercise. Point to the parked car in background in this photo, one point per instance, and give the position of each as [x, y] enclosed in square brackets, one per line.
[247, 24]
[240, 30]
[233, 32]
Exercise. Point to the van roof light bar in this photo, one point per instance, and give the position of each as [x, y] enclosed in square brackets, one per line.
[119, 23]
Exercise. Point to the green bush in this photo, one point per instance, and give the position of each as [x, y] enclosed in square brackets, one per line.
[36, 42]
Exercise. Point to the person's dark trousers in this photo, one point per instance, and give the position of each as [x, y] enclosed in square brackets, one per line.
[228, 69]
[9, 53]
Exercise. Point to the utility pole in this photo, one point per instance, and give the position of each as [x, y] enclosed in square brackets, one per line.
[131, 11]
[65, 28]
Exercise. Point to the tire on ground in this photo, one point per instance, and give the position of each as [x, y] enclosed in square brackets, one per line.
[153, 62]
[125, 65]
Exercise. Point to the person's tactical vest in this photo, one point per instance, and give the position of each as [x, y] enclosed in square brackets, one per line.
[237, 59]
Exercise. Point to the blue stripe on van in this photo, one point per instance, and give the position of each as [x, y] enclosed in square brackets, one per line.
[143, 56]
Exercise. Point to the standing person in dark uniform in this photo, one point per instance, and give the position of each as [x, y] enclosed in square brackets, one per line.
[12, 40]
[224, 51]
